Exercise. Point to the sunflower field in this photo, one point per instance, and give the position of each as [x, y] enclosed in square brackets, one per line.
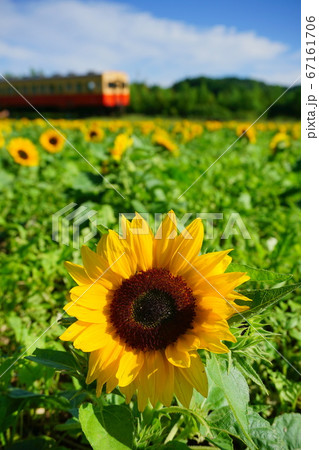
[183, 336]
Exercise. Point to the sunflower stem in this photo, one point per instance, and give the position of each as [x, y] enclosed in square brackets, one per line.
[174, 430]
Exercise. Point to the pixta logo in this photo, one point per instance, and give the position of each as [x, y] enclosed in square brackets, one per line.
[68, 225]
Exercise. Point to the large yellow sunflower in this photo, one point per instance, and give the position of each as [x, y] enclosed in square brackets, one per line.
[23, 152]
[145, 305]
[52, 141]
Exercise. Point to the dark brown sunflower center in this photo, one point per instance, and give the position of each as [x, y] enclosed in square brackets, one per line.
[53, 140]
[93, 134]
[23, 154]
[152, 309]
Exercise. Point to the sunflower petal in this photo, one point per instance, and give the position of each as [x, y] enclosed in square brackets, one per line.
[91, 296]
[166, 393]
[188, 342]
[101, 248]
[128, 391]
[182, 388]
[208, 265]
[97, 268]
[78, 273]
[187, 247]
[142, 397]
[118, 256]
[224, 308]
[196, 375]
[164, 240]
[179, 358]
[129, 367]
[74, 331]
[103, 357]
[83, 313]
[107, 374]
[219, 285]
[142, 238]
[92, 338]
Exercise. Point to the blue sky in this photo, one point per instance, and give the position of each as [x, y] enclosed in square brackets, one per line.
[279, 20]
[156, 42]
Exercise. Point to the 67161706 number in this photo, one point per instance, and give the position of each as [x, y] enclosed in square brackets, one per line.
[310, 47]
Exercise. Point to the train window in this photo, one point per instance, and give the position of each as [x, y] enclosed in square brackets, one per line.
[112, 85]
[79, 87]
[51, 88]
[34, 89]
[69, 87]
[60, 88]
[91, 85]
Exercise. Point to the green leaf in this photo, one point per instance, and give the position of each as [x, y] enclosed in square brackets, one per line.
[264, 435]
[223, 441]
[138, 206]
[214, 400]
[86, 182]
[67, 321]
[54, 358]
[236, 391]
[259, 274]
[261, 300]
[288, 427]
[21, 393]
[102, 228]
[107, 427]
[222, 421]
[247, 369]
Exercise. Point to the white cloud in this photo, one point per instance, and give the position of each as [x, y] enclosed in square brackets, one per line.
[78, 35]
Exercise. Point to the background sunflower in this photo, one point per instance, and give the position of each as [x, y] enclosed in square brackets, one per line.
[94, 134]
[23, 152]
[52, 141]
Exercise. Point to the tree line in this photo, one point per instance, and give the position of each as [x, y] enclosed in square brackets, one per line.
[216, 99]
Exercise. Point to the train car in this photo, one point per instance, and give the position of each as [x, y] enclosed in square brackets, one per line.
[106, 90]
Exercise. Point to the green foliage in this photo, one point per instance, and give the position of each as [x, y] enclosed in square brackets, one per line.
[254, 394]
[235, 388]
[108, 427]
[261, 300]
[259, 274]
[53, 358]
[220, 99]
[288, 427]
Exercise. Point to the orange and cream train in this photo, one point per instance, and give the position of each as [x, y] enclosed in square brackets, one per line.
[109, 90]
